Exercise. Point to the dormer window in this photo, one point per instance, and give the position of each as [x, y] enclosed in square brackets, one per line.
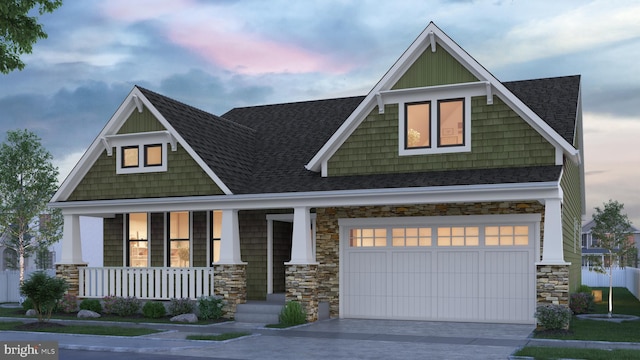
[140, 152]
[447, 130]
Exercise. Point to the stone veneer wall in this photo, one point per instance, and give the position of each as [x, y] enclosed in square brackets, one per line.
[70, 273]
[552, 284]
[302, 286]
[328, 232]
[230, 282]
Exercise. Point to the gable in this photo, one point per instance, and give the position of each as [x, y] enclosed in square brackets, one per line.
[141, 122]
[184, 177]
[500, 139]
[432, 69]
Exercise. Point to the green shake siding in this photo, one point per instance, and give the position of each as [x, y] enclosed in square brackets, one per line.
[572, 220]
[499, 138]
[140, 122]
[431, 69]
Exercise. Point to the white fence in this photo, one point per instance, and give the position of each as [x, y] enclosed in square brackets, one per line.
[154, 283]
[622, 277]
[10, 284]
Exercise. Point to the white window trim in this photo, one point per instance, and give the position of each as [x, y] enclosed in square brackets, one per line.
[140, 140]
[434, 94]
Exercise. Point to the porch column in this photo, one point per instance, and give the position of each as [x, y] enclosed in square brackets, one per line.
[301, 275]
[71, 258]
[552, 273]
[230, 273]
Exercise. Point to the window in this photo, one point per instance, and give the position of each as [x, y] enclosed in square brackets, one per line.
[137, 240]
[153, 155]
[506, 235]
[411, 236]
[179, 239]
[130, 156]
[216, 235]
[458, 236]
[368, 237]
[418, 125]
[450, 122]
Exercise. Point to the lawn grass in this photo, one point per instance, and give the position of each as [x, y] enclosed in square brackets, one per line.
[580, 329]
[572, 353]
[220, 337]
[80, 329]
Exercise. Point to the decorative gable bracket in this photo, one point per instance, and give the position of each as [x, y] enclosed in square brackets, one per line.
[111, 141]
[398, 96]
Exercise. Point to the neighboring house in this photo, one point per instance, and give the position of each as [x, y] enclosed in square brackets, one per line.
[43, 261]
[443, 194]
[591, 246]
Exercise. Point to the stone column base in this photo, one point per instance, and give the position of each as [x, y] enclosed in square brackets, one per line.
[70, 273]
[552, 284]
[302, 286]
[230, 283]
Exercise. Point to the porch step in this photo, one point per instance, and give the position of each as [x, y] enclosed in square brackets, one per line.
[263, 312]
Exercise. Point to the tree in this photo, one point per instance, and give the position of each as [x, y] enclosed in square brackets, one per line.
[19, 31]
[28, 179]
[613, 229]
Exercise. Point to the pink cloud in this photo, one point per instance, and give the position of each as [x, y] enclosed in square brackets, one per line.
[248, 53]
[131, 11]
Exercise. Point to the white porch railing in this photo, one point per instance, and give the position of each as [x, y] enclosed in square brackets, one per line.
[153, 283]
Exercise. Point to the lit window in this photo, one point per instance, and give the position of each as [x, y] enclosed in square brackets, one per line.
[216, 234]
[129, 156]
[506, 235]
[138, 242]
[368, 237]
[458, 236]
[153, 155]
[411, 236]
[179, 254]
[451, 122]
[418, 125]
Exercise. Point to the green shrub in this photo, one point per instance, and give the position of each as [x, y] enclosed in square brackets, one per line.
[180, 306]
[584, 289]
[27, 304]
[91, 304]
[45, 292]
[108, 303]
[210, 307]
[126, 306]
[68, 304]
[293, 314]
[154, 310]
[553, 317]
[582, 303]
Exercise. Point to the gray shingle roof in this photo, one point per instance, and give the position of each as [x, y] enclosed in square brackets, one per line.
[263, 149]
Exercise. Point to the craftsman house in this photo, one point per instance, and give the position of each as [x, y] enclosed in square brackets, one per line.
[443, 194]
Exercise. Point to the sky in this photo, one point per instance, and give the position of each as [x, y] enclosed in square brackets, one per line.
[221, 54]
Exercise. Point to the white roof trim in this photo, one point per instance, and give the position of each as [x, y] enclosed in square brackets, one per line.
[422, 42]
[419, 195]
[135, 100]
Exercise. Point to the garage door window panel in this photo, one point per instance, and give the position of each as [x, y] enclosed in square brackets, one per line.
[517, 235]
[368, 237]
[458, 236]
[411, 236]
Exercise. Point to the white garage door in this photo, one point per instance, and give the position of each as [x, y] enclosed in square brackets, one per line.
[482, 271]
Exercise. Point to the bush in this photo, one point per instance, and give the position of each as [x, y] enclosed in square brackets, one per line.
[45, 292]
[210, 307]
[154, 310]
[91, 304]
[27, 304]
[108, 303]
[180, 306]
[584, 289]
[126, 306]
[68, 304]
[293, 314]
[553, 317]
[582, 303]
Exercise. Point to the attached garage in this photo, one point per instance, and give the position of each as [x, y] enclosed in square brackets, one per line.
[452, 268]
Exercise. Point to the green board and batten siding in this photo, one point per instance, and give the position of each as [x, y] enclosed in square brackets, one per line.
[184, 177]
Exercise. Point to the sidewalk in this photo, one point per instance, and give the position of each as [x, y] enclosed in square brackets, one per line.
[335, 338]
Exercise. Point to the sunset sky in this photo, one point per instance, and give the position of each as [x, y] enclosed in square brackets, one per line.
[217, 55]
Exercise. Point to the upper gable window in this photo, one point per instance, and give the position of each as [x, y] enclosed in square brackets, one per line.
[447, 130]
[153, 155]
[140, 152]
[130, 157]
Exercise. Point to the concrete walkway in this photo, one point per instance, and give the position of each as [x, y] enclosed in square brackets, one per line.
[335, 339]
